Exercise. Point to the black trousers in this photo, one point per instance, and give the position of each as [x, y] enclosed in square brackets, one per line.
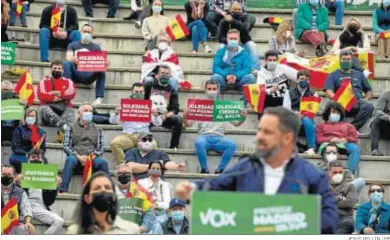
[346, 225]
[379, 128]
[176, 124]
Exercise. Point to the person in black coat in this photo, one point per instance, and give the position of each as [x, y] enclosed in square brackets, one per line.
[66, 33]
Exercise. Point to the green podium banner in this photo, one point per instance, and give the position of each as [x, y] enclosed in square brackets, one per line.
[8, 50]
[254, 213]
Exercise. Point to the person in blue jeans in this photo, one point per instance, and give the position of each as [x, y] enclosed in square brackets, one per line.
[80, 141]
[196, 11]
[113, 6]
[66, 33]
[23, 18]
[212, 135]
[70, 66]
[292, 101]
[231, 68]
[336, 6]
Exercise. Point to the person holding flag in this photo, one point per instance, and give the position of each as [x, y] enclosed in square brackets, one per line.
[153, 25]
[19, 8]
[15, 206]
[83, 144]
[293, 101]
[58, 27]
[26, 137]
[352, 100]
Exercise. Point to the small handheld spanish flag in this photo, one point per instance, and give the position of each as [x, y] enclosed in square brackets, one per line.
[88, 167]
[55, 19]
[25, 88]
[19, 7]
[273, 20]
[137, 191]
[9, 216]
[309, 106]
[384, 35]
[255, 95]
[39, 143]
[345, 95]
[177, 29]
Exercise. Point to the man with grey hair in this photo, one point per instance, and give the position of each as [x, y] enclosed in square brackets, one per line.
[8, 127]
[82, 140]
[276, 168]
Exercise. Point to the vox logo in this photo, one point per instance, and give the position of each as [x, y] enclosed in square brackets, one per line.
[218, 218]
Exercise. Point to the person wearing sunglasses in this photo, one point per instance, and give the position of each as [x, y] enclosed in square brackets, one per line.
[346, 196]
[138, 159]
[373, 216]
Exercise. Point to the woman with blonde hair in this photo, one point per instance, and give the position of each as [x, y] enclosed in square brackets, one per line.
[284, 40]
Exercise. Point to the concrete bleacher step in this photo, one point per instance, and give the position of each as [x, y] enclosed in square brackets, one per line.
[130, 41]
[188, 60]
[100, 11]
[116, 26]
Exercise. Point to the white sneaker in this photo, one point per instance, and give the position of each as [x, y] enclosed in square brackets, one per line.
[310, 151]
[207, 49]
[97, 101]
[194, 51]
[138, 24]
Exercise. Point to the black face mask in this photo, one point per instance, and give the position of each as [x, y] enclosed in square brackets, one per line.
[353, 28]
[56, 74]
[6, 94]
[102, 201]
[124, 179]
[6, 180]
[36, 162]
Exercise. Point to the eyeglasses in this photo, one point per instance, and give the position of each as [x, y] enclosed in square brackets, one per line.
[145, 139]
[378, 190]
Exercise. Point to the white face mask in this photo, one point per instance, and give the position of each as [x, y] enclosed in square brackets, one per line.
[146, 146]
[288, 34]
[162, 46]
[331, 157]
[338, 178]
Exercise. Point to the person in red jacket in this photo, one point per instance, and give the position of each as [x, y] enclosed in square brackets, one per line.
[55, 94]
[335, 130]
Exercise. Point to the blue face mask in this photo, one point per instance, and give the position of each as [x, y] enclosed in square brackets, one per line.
[31, 120]
[376, 197]
[232, 44]
[334, 117]
[87, 117]
[303, 84]
[157, 9]
[177, 216]
[86, 37]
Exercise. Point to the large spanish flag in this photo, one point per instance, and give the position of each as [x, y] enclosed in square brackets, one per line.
[88, 167]
[255, 96]
[137, 191]
[177, 29]
[345, 95]
[19, 7]
[55, 19]
[384, 35]
[25, 88]
[9, 216]
[309, 106]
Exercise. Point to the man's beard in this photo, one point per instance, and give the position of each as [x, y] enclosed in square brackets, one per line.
[268, 153]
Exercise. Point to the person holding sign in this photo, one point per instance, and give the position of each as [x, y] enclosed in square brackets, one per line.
[41, 199]
[363, 109]
[70, 65]
[8, 127]
[177, 223]
[97, 211]
[212, 135]
[138, 159]
[292, 101]
[26, 137]
[60, 35]
[82, 140]
[231, 68]
[275, 168]
[9, 191]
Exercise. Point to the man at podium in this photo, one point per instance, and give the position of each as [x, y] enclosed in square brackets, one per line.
[274, 168]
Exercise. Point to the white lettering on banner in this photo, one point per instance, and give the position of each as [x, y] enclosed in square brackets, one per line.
[218, 218]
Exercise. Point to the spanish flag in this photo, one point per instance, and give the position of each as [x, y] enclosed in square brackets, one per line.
[88, 166]
[273, 20]
[345, 95]
[177, 29]
[25, 88]
[384, 35]
[19, 7]
[137, 191]
[309, 106]
[255, 95]
[9, 216]
[55, 19]
[39, 143]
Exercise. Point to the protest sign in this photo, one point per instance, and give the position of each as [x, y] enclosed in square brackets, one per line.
[130, 209]
[134, 110]
[11, 109]
[39, 176]
[92, 61]
[200, 110]
[254, 213]
[8, 53]
[227, 111]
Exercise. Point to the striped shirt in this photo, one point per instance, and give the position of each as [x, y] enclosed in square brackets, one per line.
[220, 4]
[314, 19]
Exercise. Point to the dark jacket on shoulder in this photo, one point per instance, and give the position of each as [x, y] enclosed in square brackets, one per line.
[240, 23]
[171, 96]
[167, 227]
[71, 24]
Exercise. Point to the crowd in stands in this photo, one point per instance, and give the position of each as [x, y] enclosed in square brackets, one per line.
[136, 152]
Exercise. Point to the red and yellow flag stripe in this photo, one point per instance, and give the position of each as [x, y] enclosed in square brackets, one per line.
[177, 29]
[88, 167]
[345, 95]
[255, 95]
[9, 216]
[19, 7]
[25, 88]
[309, 106]
[384, 35]
[137, 191]
[55, 19]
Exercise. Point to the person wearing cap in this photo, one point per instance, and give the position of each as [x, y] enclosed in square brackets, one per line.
[177, 223]
[139, 158]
